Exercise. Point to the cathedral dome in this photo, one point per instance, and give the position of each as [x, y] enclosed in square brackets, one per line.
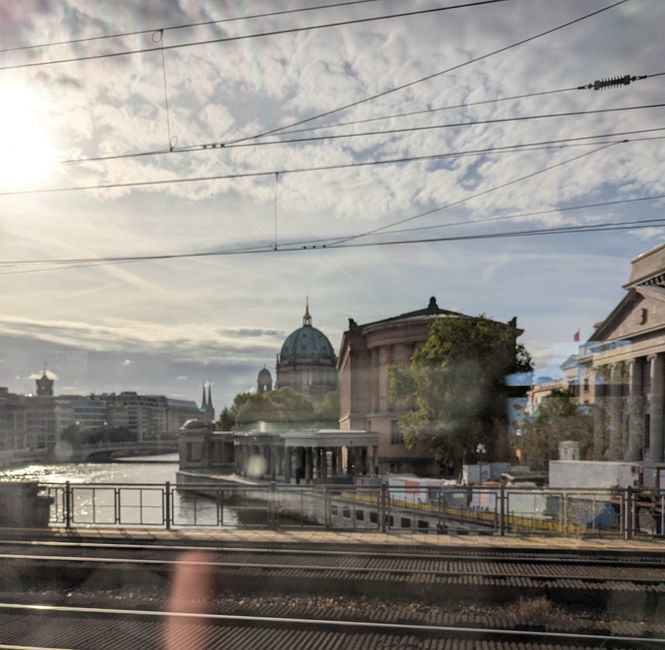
[307, 344]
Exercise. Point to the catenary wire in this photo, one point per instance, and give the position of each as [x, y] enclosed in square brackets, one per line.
[438, 109]
[532, 213]
[211, 146]
[470, 197]
[432, 75]
[203, 23]
[216, 177]
[600, 227]
[242, 37]
[430, 127]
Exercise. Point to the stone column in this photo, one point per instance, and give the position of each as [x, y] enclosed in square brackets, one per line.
[635, 409]
[615, 418]
[600, 416]
[335, 453]
[374, 382]
[375, 460]
[324, 464]
[237, 461]
[655, 452]
[272, 459]
[317, 459]
[308, 464]
[287, 464]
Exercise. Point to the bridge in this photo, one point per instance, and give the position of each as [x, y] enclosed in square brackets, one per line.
[111, 451]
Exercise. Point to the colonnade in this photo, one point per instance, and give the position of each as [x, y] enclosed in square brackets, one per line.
[273, 461]
[628, 419]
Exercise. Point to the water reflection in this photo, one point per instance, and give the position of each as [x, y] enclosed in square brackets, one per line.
[131, 504]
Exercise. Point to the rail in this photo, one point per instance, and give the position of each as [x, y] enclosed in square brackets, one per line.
[383, 508]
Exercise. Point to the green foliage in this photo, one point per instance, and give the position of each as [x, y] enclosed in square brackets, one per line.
[329, 409]
[281, 405]
[558, 418]
[455, 386]
[226, 419]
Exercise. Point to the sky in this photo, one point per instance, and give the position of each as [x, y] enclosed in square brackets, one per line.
[165, 326]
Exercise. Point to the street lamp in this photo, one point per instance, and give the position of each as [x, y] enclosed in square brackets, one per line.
[480, 450]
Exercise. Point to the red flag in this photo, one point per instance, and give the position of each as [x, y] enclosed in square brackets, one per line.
[576, 337]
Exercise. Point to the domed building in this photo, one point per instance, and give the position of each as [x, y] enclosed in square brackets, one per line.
[264, 381]
[307, 362]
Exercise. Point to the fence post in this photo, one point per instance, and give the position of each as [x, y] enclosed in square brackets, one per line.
[382, 509]
[327, 516]
[628, 533]
[502, 511]
[440, 525]
[167, 505]
[272, 510]
[67, 505]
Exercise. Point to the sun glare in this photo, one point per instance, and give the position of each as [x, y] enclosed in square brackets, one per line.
[26, 153]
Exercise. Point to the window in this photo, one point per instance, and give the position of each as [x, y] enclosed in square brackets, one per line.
[396, 437]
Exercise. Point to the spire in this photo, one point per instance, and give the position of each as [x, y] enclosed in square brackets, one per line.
[203, 398]
[307, 318]
[209, 394]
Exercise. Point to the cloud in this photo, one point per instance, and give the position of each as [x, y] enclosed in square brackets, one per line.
[236, 310]
[37, 375]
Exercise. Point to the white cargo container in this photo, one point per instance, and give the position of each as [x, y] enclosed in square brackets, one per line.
[593, 474]
[490, 471]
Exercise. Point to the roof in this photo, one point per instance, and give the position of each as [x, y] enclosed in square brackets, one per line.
[307, 344]
[431, 311]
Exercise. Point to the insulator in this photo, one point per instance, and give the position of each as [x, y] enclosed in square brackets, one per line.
[612, 82]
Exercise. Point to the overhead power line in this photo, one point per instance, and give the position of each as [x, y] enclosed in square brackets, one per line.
[448, 125]
[604, 227]
[476, 195]
[242, 37]
[61, 264]
[449, 107]
[335, 136]
[203, 23]
[432, 75]
[527, 146]
[532, 213]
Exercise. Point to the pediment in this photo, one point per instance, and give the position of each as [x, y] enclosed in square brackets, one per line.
[640, 313]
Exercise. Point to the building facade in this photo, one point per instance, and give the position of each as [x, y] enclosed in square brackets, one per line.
[12, 420]
[622, 370]
[366, 353]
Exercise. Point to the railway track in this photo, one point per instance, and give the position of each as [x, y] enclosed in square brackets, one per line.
[359, 564]
[442, 578]
[592, 557]
[23, 626]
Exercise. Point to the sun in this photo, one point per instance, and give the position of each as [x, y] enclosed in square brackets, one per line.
[27, 155]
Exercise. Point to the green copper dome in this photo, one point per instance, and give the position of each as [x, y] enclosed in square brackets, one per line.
[306, 343]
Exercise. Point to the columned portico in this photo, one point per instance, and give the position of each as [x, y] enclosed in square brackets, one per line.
[655, 450]
[635, 427]
[615, 419]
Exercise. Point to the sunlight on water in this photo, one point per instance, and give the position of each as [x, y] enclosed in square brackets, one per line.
[137, 506]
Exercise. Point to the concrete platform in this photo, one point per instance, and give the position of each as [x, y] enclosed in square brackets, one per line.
[214, 536]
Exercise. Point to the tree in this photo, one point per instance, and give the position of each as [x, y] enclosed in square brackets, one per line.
[329, 409]
[558, 418]
[455, 387]
[281, 405]
[226, 419]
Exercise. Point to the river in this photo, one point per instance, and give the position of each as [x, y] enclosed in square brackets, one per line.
[139, 505]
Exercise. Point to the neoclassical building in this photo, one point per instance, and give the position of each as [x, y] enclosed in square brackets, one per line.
[622, 370]
[366, 353]
[307, 362]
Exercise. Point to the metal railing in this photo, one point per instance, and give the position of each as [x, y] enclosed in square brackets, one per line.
[488, 510]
